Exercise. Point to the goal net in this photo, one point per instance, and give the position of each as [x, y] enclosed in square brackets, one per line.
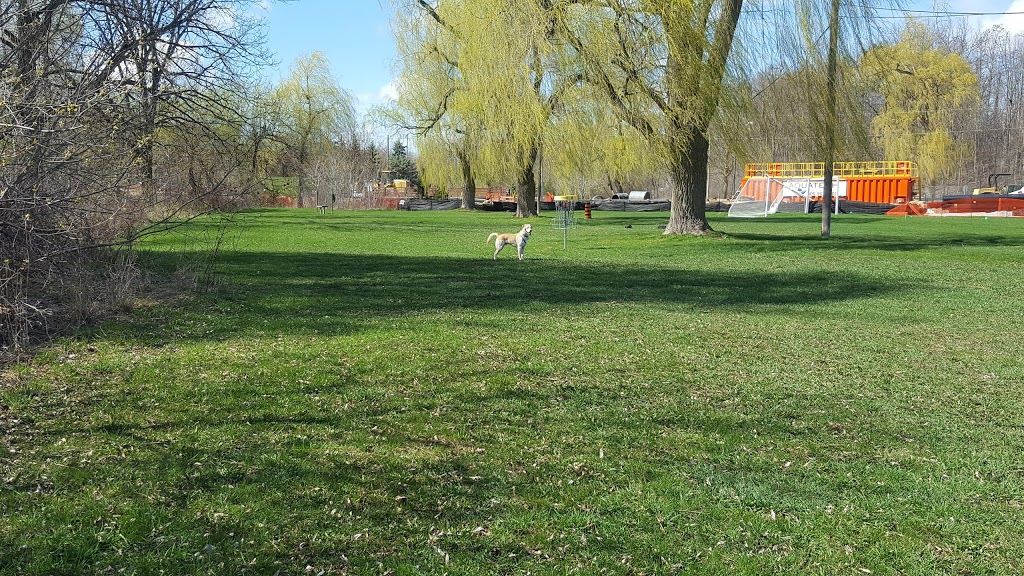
[763, 195]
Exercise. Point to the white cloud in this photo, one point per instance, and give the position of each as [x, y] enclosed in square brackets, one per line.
[1012, 22]
[388, 92]
[385, 94]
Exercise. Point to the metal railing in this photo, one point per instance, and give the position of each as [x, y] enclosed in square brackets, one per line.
[883, 169]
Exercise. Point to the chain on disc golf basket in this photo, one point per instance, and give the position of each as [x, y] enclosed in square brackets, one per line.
[564, 219]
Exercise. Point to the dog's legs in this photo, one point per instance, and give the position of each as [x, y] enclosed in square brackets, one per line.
[520, 248]
[497, 248]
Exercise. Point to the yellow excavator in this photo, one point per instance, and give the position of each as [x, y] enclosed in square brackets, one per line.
[995, 188]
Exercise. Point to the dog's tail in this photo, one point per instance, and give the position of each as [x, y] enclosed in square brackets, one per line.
[491, 237]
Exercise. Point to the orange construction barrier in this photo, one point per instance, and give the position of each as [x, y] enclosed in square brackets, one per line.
[908, 209]
[885, 182]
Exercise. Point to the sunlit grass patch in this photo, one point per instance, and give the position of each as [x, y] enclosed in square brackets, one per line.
[372, 393]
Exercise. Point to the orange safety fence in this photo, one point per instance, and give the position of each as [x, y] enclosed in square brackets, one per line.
[963, 205]
[488, 193]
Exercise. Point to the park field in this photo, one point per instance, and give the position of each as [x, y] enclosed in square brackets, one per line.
[370, 393]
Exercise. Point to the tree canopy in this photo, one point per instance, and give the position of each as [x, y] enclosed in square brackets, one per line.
[620, 87]
[921, 90]
[315, 110]
[656, 67]
[491, 108]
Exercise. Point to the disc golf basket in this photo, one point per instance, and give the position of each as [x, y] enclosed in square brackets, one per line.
[564, 219]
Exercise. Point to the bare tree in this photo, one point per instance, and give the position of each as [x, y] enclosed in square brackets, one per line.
[998, 124]
[316, 113]
[179, 56]
[77, 118]
[339, 172]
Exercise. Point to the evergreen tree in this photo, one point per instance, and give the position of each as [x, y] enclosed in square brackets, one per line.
[402, 167]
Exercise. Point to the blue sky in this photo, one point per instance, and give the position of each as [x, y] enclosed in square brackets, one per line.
[356, 37]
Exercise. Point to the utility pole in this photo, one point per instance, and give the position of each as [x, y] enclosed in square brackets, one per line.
[830, 120]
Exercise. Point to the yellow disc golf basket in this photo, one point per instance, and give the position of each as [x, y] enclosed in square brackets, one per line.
[565, 219]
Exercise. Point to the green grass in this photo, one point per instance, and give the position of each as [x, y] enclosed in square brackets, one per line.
[369, 393]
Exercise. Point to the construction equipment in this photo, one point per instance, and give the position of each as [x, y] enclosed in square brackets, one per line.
[887, 182]
[994, 188]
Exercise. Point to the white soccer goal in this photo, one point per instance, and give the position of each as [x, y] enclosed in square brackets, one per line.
[762, 195]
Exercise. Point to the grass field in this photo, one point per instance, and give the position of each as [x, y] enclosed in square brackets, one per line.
[369, 393]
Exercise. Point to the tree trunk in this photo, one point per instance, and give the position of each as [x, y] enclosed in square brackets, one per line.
[151, 75]
[526, 189]
[526, 193]
[301, 188]
[694, 75]
[469, 191]
[146, 145]
[689, 172]
[615, 186]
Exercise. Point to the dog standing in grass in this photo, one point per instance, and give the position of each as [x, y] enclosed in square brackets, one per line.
[519, 240]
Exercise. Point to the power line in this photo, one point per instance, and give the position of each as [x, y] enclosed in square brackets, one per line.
[938, 13]
[903, 12]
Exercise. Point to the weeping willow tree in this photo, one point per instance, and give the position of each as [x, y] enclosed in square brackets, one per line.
[589, 147]
[660, 66]
[788, 120]
[507, 48]
[810, 106]
[656, 73]
[657, 67]
[431, 91]
[316, 112]
[922, 91]
[676, 69]
[480, 81]
[824, 46]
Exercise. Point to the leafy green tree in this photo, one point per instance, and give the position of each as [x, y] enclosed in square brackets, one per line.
[436, 101]
[402, 166]
[316, 111]
[921, 90]
[488, 83]
[430, 101]
[587, 147]
[660, 66]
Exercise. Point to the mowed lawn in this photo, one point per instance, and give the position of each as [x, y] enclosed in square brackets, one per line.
[370, 393]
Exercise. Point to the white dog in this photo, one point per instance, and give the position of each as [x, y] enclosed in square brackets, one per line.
[519, 240]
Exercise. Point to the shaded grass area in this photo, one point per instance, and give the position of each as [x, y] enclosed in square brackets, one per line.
[337, 293]
[370, 393]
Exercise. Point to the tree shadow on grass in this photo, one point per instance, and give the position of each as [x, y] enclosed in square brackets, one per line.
[780, 243]
[780, 233]
[306, 293]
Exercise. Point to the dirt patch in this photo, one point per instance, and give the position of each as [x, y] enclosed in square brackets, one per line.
[8, 379]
